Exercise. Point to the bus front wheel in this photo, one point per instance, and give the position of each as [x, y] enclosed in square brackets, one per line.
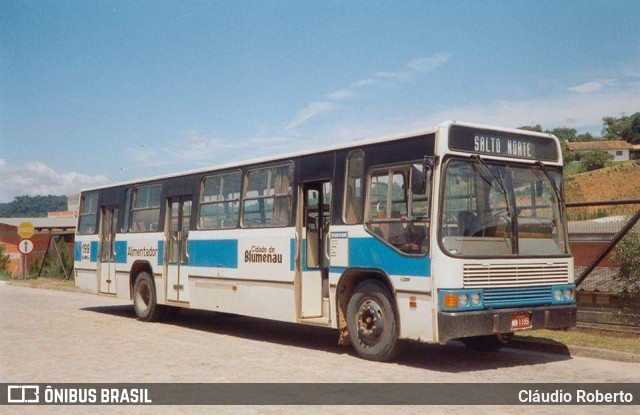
[371, 321]
[145, 299]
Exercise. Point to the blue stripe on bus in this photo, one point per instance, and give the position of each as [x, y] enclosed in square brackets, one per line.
[222, 253]
[77, 251]
[93, 256]
[292, 254]
[304, 258]
[121, 252]
[373, 253]
[363, 252]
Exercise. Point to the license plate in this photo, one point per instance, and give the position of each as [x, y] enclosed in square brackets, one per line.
[520, 321]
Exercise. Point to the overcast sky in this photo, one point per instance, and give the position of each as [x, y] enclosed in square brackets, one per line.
[97, 92]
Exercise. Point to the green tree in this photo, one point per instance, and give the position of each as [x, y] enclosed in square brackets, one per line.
[52, 267]
[32, 206]
[595, 159]
[4, 260]
[537, 128]
[567, 156]
[585, 137]
[622, 128]
[627, 257]
[612, 127]
[564, 133]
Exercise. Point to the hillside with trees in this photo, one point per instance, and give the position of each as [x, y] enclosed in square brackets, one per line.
[591, 175]
[625, 128]
[33, 206]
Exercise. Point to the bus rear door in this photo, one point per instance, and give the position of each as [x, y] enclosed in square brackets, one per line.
[107, 261]
[176, 241]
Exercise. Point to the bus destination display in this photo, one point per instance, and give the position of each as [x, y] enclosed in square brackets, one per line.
[500, 144]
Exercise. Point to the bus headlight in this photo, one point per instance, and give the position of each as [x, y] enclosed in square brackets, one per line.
[563, 294]
[557, 294]
[460, 300]
[475, 299]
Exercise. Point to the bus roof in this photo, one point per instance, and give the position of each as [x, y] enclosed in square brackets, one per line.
[341, 146]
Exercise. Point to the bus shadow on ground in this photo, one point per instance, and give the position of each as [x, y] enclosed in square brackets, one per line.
[453, 357]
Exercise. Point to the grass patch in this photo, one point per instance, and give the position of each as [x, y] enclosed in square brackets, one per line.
[599, 339]
[575, 167]
[43, 282]
[615, 163]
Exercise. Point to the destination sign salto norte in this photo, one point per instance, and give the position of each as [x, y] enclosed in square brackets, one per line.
[500, 144]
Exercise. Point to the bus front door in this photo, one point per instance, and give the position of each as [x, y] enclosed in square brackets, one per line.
[315, 259]
[107, 265]
[177, 255]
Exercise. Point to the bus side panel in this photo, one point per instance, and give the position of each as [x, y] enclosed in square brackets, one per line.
[144, 247]
[249, 298]
[85, 262]
[354, 247]
[248, 272]
[123, 275]
[416, 316]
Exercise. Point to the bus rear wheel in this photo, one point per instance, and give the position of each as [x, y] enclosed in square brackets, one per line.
[490, 343]
[145, 299]
[371, 320]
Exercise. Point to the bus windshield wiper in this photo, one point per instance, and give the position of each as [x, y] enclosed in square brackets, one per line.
[510, 203]
[553, 183]
[498, 179]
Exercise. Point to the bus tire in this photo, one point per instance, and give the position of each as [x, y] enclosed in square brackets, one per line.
[145, 299]
[371, 320]
[490, 343]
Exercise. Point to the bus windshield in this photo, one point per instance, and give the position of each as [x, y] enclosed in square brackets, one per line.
[497, 210]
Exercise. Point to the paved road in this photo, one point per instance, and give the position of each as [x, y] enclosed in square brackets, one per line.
[55, 336]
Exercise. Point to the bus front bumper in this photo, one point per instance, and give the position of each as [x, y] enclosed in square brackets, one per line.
[456, 325]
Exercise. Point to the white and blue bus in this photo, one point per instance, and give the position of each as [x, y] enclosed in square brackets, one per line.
[455, 232]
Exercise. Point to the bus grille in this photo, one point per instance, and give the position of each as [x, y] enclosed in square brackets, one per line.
[514, 297]
[479, 276]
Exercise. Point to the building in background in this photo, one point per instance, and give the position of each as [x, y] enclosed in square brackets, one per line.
[61, 223]
[44, 227]
[73, 205]
[619, 150]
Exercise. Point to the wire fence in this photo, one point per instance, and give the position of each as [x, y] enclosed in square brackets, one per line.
[604, 301]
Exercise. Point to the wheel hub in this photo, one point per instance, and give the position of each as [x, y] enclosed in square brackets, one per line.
[370, 321]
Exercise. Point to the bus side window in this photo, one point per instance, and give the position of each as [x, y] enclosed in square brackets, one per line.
[127, 208]
[268, 196]
[394, 213]
[220, 201]
[352, 209]
[145, 213]
[88, 214]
